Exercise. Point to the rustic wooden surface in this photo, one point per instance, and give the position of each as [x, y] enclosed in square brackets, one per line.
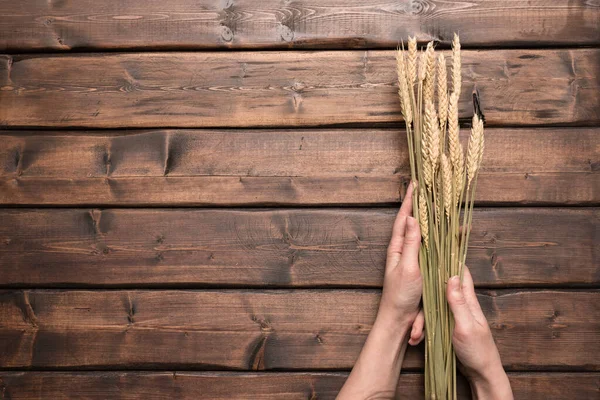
[292, 247]
[275, 329]
[227, 385]
[118, 284]
[290, 167]
[65, 25]
[292, 89]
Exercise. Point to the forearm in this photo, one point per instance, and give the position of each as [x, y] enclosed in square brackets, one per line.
[376, 372]
[493, 384]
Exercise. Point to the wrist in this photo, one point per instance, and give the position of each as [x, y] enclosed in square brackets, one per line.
[393, 321]
[491, 383]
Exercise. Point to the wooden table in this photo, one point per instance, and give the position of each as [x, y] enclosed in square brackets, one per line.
[183, 221]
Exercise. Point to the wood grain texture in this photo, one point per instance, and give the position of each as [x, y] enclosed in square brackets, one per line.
[285, 248]
[238, 385]
[287, 167]
[60, 25]
[263, 330]
[248, 89]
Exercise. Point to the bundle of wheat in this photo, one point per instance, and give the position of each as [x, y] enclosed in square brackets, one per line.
[446, 190]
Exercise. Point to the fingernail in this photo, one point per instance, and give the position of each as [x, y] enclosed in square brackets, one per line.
[454, 283]
[412, 222]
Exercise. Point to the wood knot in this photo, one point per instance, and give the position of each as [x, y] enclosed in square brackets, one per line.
[264, 324]
[298, 87]
[226, 33]
[418, 7]
[287, 35]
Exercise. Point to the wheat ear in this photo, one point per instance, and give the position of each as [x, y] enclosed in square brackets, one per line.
[426, 163]
[422, 67]
[429, 82]
[433, 134]
[475, 149]
[456, 72]
[412, 60]
[442, 89]
[457, 156]
[405, 101]
[423, 220]
[447, 184]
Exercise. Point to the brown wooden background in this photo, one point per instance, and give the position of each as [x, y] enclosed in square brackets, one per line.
[184, 221]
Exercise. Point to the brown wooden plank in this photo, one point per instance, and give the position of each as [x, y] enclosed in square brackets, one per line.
[223, 89]
[296, 248]
[43, 25]
[501, 188]
[339, 166]
[237, 385]
[299, 329]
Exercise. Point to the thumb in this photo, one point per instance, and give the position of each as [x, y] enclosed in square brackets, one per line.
[411, 245]
[458, 303]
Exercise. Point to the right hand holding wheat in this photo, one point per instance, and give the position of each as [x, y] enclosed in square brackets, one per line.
[473, 342]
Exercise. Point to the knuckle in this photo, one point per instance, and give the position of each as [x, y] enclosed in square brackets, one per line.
[457, 299]
[412, 271]
[462, 332]
[412, 239]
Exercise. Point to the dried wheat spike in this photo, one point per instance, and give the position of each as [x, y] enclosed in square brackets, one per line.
[423, 219]
[442, 89]
[456, 65]
[422, 67]
[459, 176]
[412, 61]
[454, 146]
[433, 134]
[429, 82]
[447, 184]
[455, 149]
[426, 159]
[403, 87]
[475, 149]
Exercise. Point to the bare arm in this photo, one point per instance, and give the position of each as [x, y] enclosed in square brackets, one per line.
[376, 372]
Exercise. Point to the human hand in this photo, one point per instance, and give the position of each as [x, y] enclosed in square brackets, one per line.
[473, 342]
[377, 369]
[402, 284]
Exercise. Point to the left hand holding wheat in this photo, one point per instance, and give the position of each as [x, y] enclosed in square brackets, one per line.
[403, 285]
[398, 322]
